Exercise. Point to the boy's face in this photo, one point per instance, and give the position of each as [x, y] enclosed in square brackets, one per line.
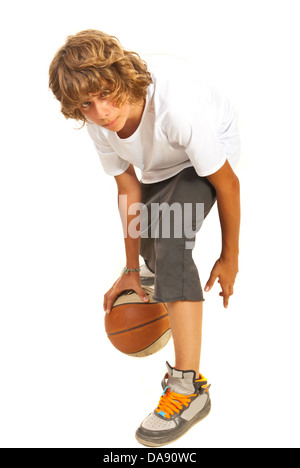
[102, 111]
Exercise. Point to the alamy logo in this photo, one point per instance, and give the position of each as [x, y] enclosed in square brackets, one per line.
[164, 220]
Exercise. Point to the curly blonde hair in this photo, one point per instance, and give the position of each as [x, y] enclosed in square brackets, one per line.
[91, 62]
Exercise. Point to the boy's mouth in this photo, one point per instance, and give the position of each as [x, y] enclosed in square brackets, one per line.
[111, 124]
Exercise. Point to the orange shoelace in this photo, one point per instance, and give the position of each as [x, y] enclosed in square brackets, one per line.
[171, 402]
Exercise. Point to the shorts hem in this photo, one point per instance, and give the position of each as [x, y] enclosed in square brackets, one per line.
[174, 299]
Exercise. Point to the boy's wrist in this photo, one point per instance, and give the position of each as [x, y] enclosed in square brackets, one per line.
[229, 254]
[127, 270]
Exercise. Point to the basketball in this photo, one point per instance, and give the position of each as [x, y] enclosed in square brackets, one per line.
[135, 327]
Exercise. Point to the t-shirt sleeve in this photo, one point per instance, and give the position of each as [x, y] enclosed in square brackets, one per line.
[199, 139]
[112, 163]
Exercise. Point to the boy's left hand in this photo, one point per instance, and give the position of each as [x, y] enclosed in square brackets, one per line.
[226, 271]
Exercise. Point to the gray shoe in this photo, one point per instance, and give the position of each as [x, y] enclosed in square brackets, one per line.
[147, 277]
[184, 402]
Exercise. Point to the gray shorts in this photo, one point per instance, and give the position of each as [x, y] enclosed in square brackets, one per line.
[170, 258]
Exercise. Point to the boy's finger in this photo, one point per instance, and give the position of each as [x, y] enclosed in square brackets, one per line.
[108, 307]
[210, 282]
[110, 302]
[143, 296]
[105, 299]
[225, 295]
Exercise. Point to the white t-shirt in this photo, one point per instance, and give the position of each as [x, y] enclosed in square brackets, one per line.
[185, 123]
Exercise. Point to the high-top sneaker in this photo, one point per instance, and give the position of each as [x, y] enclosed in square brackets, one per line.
[184, 402]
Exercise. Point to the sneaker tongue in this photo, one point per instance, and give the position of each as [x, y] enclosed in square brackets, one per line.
[181, 381]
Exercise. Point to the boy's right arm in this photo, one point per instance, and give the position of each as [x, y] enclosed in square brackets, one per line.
[129, 186]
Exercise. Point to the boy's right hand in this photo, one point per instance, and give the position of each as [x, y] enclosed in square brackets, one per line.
[130, 280]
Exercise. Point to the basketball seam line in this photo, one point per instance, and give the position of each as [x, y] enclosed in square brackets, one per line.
[138, 302]
[149, 346]
[142, 325]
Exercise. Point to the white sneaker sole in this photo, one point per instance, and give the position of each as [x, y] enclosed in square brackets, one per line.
[147, 443]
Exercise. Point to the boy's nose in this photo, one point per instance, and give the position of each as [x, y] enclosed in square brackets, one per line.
[101, 110]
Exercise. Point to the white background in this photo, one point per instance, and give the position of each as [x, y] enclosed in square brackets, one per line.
[62, 382]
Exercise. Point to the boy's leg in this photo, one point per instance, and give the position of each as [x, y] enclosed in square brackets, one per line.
[185, 400]
[186, 325]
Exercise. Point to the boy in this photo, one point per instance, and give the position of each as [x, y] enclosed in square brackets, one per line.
[183, 136]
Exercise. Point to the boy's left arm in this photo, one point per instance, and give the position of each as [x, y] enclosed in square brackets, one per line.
[227, 187]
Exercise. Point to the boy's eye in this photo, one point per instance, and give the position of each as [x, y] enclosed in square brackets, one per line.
[105, 93]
